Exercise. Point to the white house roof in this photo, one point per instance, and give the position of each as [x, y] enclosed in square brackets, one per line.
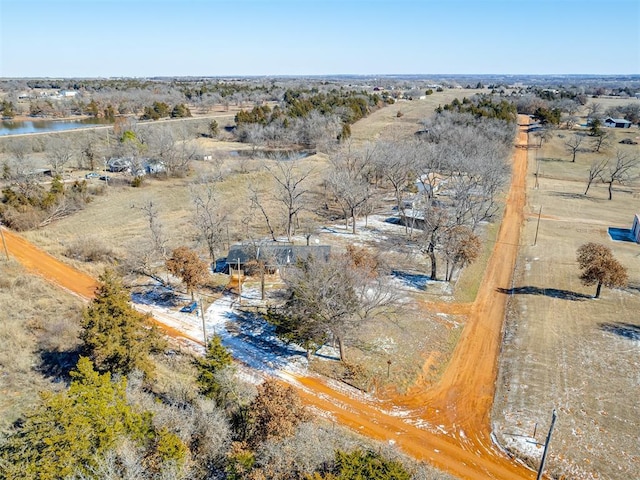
[617, 120]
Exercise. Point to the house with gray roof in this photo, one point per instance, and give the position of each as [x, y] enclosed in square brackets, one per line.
[617, 123]
[274, 255]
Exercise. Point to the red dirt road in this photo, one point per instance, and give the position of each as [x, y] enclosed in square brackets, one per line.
[458, 407]
[447, 425]
[47, 266]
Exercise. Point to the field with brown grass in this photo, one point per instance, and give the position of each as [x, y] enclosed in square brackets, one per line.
[39, 326]
[564, 349]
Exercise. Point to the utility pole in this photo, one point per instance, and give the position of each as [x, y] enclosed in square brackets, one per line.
[546, 445]
[239, 284]
[535, 240]
[4, 243]
[204, 328]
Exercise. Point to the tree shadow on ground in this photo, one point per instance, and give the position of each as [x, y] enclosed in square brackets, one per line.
[623, 329]
[547, 292]
[418, 281]
[577, 196]
[57, 364]
[261, 338]
[633, 286]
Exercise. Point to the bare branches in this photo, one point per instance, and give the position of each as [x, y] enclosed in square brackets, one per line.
[573, 145]
[595, 171]
[290, 190]
[619, 171]
[257, 203]
[209, 217]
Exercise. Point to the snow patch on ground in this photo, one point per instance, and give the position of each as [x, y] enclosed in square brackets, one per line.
[249, 338]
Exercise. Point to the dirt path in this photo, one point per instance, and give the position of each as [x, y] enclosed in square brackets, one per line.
[447, 425]
[48, 267]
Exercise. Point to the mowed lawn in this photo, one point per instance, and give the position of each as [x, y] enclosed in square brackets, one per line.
[564, 349]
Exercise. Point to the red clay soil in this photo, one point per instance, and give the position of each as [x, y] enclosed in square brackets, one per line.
[41, 263]
[446, 425]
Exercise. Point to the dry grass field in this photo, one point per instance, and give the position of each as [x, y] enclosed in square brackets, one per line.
[564, 349]
[38, 325]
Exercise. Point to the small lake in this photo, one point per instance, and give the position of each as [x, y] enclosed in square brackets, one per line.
[15, 127]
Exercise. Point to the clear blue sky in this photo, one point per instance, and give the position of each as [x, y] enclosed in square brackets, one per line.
[101, 38]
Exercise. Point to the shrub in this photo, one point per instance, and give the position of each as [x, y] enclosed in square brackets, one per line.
[88, 249]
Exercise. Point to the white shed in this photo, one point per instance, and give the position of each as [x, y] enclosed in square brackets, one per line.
[635, 229]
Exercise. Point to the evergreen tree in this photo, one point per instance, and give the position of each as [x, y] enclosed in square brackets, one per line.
[360, 465]
[216, 359]
[180, 111]
[70, 430]
[116, 337]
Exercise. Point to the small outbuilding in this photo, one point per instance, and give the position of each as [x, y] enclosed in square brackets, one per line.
[617, 123]
[635, 229]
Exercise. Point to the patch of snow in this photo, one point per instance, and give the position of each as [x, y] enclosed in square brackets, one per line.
[249, 338]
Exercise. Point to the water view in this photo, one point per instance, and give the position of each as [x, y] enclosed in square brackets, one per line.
[17, 127]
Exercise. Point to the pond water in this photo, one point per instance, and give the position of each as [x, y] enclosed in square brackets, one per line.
[15, 127]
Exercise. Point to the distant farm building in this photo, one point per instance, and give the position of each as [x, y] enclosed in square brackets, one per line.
[635, 229]
[136, 166]
[617, 123]
[118, 164]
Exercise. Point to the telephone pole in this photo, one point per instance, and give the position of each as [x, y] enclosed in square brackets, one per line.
[4, 243]
[204, 327]
[535, 240]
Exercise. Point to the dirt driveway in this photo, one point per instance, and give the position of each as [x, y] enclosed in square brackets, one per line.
[447, 425]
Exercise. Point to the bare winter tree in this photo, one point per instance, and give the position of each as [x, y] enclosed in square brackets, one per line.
[291, 190]
[350, 193]
[156, 228]
[436, 221]
[572, 145]
[146, 257]
[252, 133]
[396, 163]
[595, 171]
[602, 140]
[59, 153]
[619, 170]
[89, 152]
[594, 110]
[543, 135]
[349, 182]
[172, 148]
[257, 203]
[210, 218]
[318, 130]
[328, 299]
[19, 164]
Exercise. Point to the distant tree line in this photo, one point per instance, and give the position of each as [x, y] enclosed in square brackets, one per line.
[482, 106]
